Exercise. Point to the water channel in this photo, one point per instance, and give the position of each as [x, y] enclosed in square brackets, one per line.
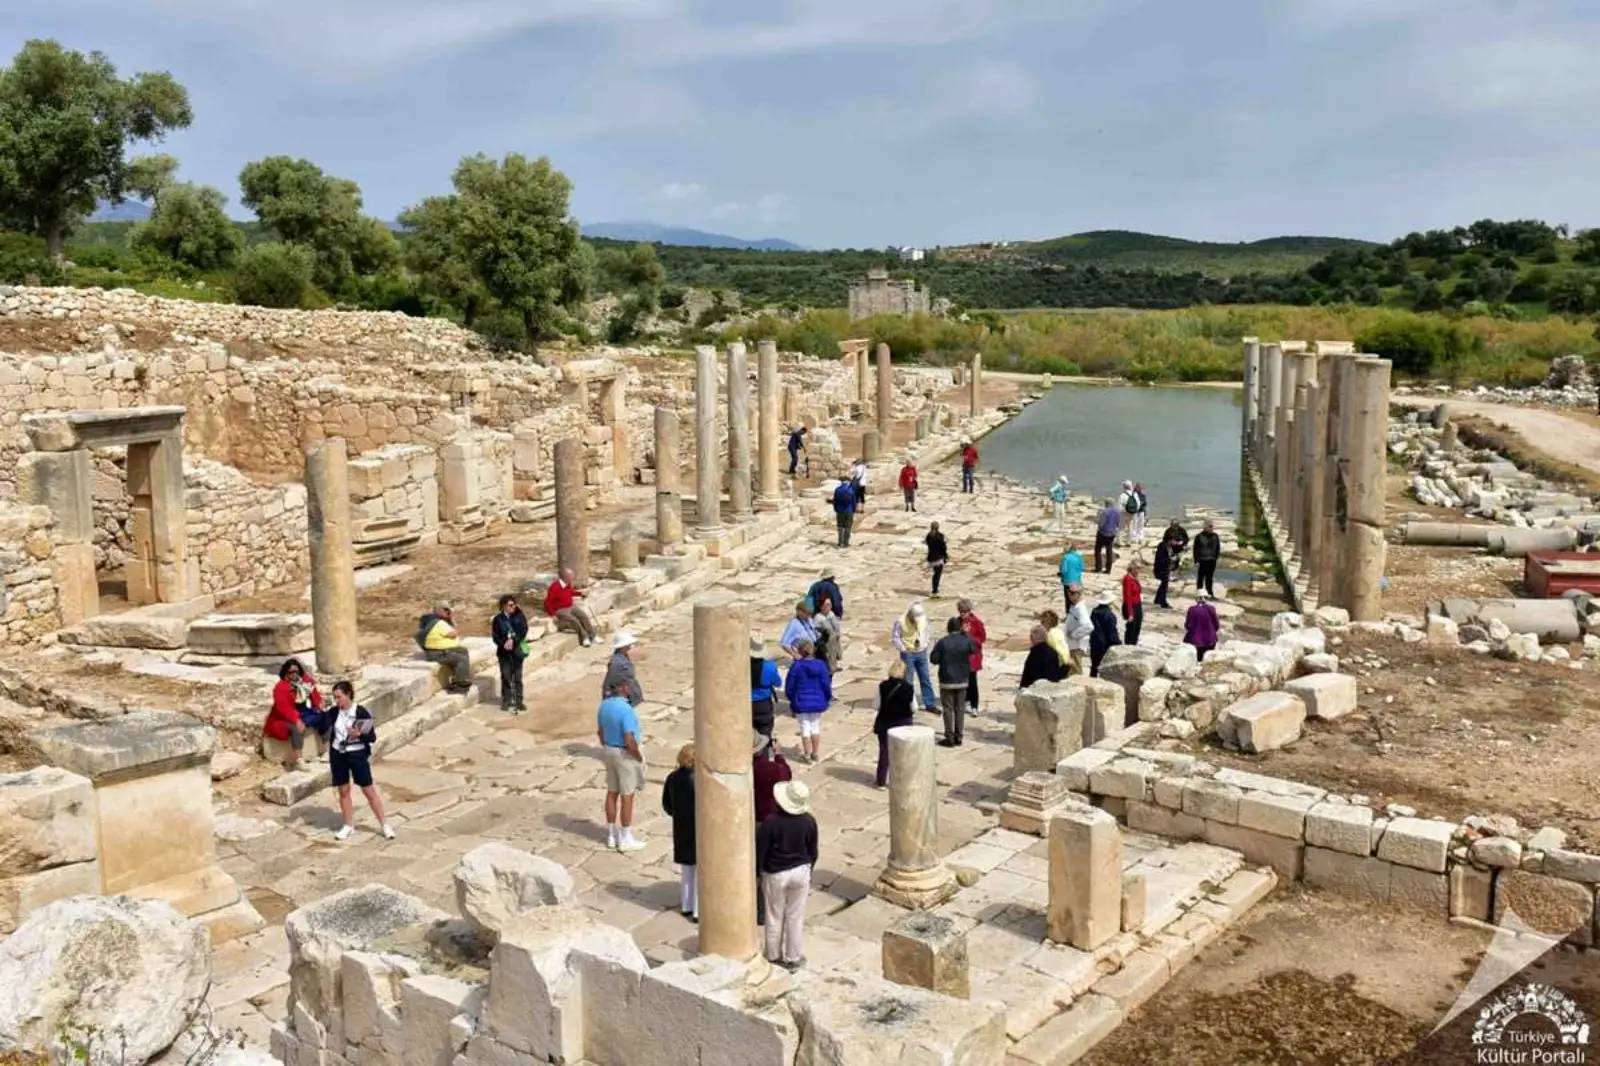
[1183, 443]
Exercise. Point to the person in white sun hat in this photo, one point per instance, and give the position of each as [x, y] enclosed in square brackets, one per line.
[786, 852]
[619, 671]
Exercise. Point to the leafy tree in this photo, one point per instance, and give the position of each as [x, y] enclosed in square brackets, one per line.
[189, 226]
[320, 212]
[1588, 250]
[508, 224]
[634, 272]
[434, 254]
[274, 275]
[1416, 344]
[66, 121]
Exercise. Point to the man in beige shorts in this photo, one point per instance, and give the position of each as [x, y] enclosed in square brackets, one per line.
[624, 761]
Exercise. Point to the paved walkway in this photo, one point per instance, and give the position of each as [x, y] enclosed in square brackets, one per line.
[534, 780]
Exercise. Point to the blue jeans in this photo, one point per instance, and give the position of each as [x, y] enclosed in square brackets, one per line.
[917, 662]
[967, 479]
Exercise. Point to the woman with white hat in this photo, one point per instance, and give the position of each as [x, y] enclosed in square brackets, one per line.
[619, 671]
[786, 852]
[1058, 501]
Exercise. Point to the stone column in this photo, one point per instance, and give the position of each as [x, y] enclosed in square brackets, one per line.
[572, 516]
[975, 387]
[739, 430]
[1085, 908]
[860, 356]
[916, 877]
[770, 444]
[708, 467]
[1366, 431]
[333, 562]
[885, 393]
[871, 445]
[1313, 430]
[724, 810]
[1267, 421]
[669, 506]
[1252, 376]
[1283, 439]
[1329, 567]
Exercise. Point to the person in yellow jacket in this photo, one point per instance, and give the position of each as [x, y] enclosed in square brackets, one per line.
[436, 635]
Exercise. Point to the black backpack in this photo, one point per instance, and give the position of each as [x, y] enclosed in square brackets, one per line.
[424, 624]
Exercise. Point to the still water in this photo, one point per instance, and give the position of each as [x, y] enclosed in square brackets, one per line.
[1183, 443]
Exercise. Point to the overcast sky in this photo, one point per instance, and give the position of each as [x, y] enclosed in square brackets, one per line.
[872, 122]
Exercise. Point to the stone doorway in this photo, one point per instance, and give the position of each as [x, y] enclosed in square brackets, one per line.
[56, 475]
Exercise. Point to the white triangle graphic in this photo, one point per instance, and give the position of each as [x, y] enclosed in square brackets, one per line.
[1515, 945]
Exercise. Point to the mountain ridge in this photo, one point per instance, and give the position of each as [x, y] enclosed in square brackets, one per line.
[684, 237]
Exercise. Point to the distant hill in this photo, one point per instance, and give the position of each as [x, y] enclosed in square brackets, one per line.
[127, 211]
[682, 237]
[1125, 249]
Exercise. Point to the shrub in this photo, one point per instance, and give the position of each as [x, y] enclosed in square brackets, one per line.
[274, 275]
[1418, 345]
[502, 330]
[24, 260]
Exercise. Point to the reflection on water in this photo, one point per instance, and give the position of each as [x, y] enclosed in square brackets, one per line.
[1182, 443]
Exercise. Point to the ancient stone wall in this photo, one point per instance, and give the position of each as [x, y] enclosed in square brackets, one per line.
[243, 537]
[29, 601]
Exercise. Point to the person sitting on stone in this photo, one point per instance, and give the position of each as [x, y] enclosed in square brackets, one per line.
[1042, 663]
[561, 603]
[436, 635]
[296, 707]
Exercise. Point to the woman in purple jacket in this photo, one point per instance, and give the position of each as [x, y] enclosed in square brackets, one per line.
[1201, 626]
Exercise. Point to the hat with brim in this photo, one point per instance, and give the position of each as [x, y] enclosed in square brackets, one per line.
[793, 797]
[1105, 597]
[757, 646]
[622, 640]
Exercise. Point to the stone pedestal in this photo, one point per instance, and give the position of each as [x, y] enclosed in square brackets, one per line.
[1033, 800]
[885, 392]
[624, 549]
[669, 504]
[1365, 433]
[151, 772]
[927, 951]
[871, 446]
[333, 568]
[739, 431]
[1049, 717]
[916, 877]
[724, 798]
[572, 516]
[1085, 878]
[769, 439]
[708, 464]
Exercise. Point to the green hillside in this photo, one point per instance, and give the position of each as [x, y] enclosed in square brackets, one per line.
[1126, 249]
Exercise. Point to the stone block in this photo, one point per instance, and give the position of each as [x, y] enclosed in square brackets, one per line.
[428, 1004]
[47, 819]
[1182, 662]
[370, 986]
[1283, 816]
[1153, 698]
[366, 478]
[1503, 853]
[1568, 865]
[1076, 768]
[1149, 818]
[356, 919]
[1420, 889]
[1283, 854]
[497, 884]
[1123, 778]
[1350, 875]
[863, 1021]
[1085, 908]
[1142, 975]
[1135, 893]
[59, 481]
[1421, 843]
[1345, 827]
[23, 894]
[535, 1006]
[1471, 892]
[1072, 1034]
[1212, 800]
[1266, 721]
[612, 1033]
[1548, 904]
[1326, 696]
[1107, 709]
[927, 951]
[1242, 890]
[1168, 791]
[1130, 667]
[1050, 725]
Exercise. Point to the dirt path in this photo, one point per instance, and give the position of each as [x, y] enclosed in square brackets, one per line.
[1570, 438]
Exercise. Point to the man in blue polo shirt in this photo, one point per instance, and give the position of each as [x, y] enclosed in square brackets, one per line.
[619, 738]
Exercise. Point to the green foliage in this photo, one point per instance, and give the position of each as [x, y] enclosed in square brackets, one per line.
[66, 121]
[275, 275]
[24, 259]
[190, 227]
[322, 213]
[1418, 345]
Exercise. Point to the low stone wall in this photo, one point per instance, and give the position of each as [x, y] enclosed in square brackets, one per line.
[1478, 870]
[243, 537]
[29, 595]
[394, 493]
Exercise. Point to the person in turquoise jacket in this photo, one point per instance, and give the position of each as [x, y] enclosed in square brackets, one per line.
[1058, 501]
[1071, 570]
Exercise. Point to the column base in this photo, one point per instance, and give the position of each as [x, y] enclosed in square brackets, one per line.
[918, 890]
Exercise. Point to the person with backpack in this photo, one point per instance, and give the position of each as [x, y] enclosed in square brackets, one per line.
[908, 484]
[765, 681]
[938, 554]
[510, 632]
[1102, 632]
[809, 689]
[844, 510]
[436, 636]
[1127, 508]
[350, 759]
[969, 467]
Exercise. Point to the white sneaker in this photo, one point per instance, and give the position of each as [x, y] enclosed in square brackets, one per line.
[344, 832]
[387, 831]
[630, 844]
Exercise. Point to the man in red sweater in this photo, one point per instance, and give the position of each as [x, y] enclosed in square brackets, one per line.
[908, 484]
[1132, 605]
[560, 603]
[976, 632]
[969, 467]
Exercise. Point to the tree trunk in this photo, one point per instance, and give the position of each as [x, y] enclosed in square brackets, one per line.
[469, 314]
[55, 243]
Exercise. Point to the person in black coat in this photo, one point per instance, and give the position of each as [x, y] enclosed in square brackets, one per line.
[1207, 550]
[1163, 570]
[1043, 662]
[677, 799]
[510, 630]
[895, 698]
[1103, 636]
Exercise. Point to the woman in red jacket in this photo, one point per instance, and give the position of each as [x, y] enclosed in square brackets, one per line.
[974, 628]
[296, 707]
[908, 484]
